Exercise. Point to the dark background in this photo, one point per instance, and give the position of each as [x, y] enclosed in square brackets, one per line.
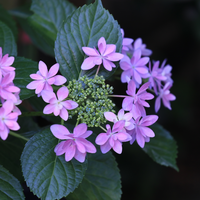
[171, 29]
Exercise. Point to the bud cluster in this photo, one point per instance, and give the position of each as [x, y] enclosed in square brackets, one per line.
[92, 97]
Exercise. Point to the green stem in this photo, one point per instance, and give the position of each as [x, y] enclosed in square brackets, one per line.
[97, 71]
[62, 122]
[31, 114]
[18, 136]
[103, 129]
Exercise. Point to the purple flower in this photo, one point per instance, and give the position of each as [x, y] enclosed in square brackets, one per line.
[136, 101]
[113, 138]
[126, 43]
[5, 63]
[134, 67]
[110, 116]
[166, 97]
[139, 45]
[43, 79]
[105, 55]
[141, 133]
[59, 106]
[74, 144]
[8, 119]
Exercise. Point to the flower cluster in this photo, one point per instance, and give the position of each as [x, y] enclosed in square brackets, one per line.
[134, 66]
[88, 99]
[9, 96]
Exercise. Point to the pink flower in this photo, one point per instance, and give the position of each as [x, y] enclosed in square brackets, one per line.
[166, 97]
[106, 56]
[7, 87]
[43, 79]
[60, 106]
[136, 101]
[113, 138]
[74, 144]
[134, 67]
[8, 119]
[141, 133]
[110, 116]
[5, 63]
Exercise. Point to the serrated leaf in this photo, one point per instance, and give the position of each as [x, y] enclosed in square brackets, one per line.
[24, 67]
[83, 29]
[7, 40]
[47, 19]
[47, 175]
[10, 187]
[6, 18]
[162, 149]
[10, 152]
[101, 181]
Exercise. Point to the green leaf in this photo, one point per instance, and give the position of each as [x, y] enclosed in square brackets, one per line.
[24, 67]
[6, 18]
[83, 29]
[7, 40]
[10, 187]
[162, 149]
[101, 181]
[10, 152]
[49, 176]
[48, 17]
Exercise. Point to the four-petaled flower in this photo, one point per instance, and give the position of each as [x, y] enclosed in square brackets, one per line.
[105, 55]
[43, 79]
[141, 133]
[74, 144]
[113, 138]
[60, 106]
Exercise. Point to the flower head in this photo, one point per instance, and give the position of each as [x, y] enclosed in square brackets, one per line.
[8, 119]
[113, 138]
[43, 79]
[74, 144]
[59, 106]
[105, 55]
[141, 133]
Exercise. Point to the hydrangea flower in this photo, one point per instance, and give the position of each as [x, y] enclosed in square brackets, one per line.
[141, 133]
[5, 63]
[136, 101]
[59, 106]
[110, 116]
[7, 88]
[139, 45]
[166, 97]
[105, 55]
[126, 43]
[8, 119]
[134, 68]
[113, 138]
[74, 144]
[43, 79]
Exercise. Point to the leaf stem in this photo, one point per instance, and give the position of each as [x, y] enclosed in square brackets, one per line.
[18, 136]
[103, 128]
[122, 96]
[97, 71]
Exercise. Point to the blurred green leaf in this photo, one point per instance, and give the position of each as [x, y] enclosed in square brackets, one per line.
[83, 29]
[10, 187]
[47, 175]
[162, 149]
[7, 40]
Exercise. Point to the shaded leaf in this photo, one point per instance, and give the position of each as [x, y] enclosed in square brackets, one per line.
[7, 40]
[83, 29]
[24, 67]
[47, 175]
[10, 187]
[101, 181]
[162, 149]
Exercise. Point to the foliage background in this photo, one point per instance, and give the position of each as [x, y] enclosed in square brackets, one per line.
[171, 28]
